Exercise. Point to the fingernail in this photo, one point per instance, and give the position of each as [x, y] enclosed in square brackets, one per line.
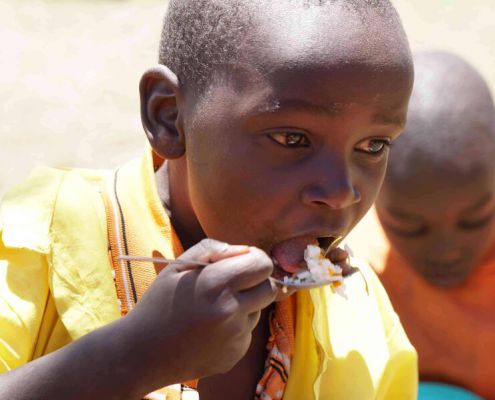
[235, 248]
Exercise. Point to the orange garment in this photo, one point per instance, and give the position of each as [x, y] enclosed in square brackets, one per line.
[280, 351]
[453, 329]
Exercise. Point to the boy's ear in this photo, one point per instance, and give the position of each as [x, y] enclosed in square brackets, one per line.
[159, 89]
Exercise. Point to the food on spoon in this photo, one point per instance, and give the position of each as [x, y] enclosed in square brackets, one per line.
[320, 271]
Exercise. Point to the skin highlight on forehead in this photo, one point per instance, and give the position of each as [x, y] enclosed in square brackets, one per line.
[331, 41]
[332, 35]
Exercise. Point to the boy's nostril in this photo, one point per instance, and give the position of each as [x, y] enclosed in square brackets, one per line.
[335, 198]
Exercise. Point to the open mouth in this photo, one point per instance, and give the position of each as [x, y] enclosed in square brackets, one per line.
[288, 256]
[327, 243]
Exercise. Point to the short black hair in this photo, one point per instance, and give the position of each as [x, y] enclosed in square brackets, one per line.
[451, 120]
[198, 36]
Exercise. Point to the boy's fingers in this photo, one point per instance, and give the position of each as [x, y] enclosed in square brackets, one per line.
[258, 297]
[253, 320]
[210, 251]
[338, 255]
[242, 272]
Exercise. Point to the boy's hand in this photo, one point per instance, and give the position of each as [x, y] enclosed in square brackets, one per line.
[197, 321]
[341, 257]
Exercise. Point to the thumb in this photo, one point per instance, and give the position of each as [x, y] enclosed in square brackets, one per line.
[341, 257]
[211, 251]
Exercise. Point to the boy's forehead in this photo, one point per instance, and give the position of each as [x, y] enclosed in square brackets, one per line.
[289, 44]
[422, 180]
[438, 192]
[331, 55]
[321, 90]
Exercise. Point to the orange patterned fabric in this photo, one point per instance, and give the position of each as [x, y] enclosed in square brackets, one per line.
[280, 351]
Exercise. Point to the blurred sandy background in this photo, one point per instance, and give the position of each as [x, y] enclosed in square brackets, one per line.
[69, 72]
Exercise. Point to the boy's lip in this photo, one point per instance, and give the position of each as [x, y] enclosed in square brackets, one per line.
[288, 254]
[447, 269]
[447, 278]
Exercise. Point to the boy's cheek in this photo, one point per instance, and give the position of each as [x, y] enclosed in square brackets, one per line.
[368, 180]
[233, 223]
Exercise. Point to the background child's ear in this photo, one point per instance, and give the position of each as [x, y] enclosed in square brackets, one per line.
[159, 88]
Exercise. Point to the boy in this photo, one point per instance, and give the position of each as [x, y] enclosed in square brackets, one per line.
[432, 243]
[274, 119]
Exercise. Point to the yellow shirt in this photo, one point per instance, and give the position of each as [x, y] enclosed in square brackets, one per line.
[56, 285]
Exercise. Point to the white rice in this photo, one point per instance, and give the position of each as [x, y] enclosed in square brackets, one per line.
[320, 269]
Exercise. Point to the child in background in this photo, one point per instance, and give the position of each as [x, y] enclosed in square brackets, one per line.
[269, 125]
[431, 235]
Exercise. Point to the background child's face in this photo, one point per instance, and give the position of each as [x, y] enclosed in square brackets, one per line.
[442, 223]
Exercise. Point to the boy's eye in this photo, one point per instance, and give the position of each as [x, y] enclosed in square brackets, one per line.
[373, 147]
[477, 224]
[290, 139]
[410, 233]
[404, 228]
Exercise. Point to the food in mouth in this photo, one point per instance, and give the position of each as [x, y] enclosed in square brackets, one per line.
[289, 254]
[318, 270]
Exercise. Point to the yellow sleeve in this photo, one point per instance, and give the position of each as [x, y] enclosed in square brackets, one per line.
[23, 297]
[28, 316]
[400, 378]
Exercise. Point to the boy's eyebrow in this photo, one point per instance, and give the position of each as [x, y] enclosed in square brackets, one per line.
[299, 105]
[331, 109]
[390, 119]
[480, 203]
[401, 214]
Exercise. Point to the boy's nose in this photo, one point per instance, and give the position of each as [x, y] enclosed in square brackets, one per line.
[333, 193]
[444, 250]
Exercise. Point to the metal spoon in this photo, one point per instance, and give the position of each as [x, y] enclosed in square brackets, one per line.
[278, 282]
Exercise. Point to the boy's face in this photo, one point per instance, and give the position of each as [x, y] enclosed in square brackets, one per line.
[291, 146]
[441, 223]
[282, 159]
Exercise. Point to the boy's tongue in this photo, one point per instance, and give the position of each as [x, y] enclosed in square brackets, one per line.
[290, 253]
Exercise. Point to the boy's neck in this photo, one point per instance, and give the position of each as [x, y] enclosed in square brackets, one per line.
[175, 200]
